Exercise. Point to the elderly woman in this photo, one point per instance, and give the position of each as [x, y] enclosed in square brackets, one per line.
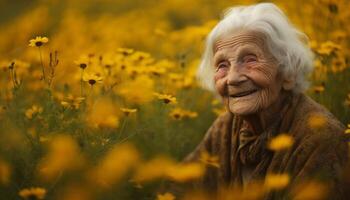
[257, 62]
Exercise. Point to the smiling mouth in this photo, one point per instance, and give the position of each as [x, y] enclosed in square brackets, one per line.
[242, 94]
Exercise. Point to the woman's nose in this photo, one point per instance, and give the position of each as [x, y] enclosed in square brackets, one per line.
[235, 77]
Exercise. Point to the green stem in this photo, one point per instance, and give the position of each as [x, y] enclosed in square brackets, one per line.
[12, 78]
[122, 128]
[81, 82]
[42, 64]
[91, 90]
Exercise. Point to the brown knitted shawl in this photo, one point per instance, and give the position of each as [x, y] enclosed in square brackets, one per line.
[317, 153]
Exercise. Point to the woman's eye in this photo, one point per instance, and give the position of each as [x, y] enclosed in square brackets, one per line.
[249, 58]
[222, 65]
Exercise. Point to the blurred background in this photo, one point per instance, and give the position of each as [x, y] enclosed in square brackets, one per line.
[106, 106]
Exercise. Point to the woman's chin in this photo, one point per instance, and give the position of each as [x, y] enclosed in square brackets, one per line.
[245, 109]
[243, 105]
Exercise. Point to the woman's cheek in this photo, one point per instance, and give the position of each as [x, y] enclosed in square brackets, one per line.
[220, 85]
[219, 74]
[260, 77]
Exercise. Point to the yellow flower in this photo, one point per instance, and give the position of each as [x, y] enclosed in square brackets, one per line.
[103, 114]
[174, 77]
[313, 44]
[328, 48]
[33, 193]
[316, 121]
[153, 169]
[128, 111]
[125, 51]
[82, 62]
[338, 64]
[347, 131]
[339, 35]
[34, 110]
[281, 142]
[130, 90]
[115, 164]
[208, 159]
[347, 100]
[276, 181]
[165, 196]
[176, 114]
[309, 190]
[166, 98]
[318, 88]
[143, 57]
[215, 102]
[64, 154]
[72, 102]
[44, 139]
[159, 32]
[134, 71]
[38, 41]
[179, 113]
[186, 172]
[156, 70]
[219, 111]
[164, 167]
[92, 79]
[5, 172]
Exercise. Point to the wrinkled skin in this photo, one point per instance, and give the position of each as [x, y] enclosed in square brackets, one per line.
[247, 77]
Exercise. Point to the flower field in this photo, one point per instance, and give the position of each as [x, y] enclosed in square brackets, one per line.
[99, 98]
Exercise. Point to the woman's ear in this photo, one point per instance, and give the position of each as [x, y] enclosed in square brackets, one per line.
[288, 84]
[288, 81]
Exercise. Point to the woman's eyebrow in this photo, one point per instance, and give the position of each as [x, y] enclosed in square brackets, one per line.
[250, 50]
[219, 56]
[247, 49]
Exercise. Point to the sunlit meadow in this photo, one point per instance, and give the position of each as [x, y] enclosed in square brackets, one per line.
[99, 99]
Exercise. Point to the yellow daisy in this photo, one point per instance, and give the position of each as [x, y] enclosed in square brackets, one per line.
[281, 142]
[92, 79]
[178, 113]
[347, 100]
[82, 62]
[33, 193]
[316, 121]
[165, 196]
[276, 181]
[166, 98]
[33, 111]
[125, 51]
[38, 41]
[319, 88]
[208, 159]
[347, 131]
[128, 111]
[72, 102]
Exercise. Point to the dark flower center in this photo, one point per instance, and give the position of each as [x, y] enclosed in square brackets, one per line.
[176, 116]
[83, 65]
[333, 8]
[92, 81]
[38, 43]
[166, 101]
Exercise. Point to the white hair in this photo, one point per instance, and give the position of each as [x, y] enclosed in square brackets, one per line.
[284, 41]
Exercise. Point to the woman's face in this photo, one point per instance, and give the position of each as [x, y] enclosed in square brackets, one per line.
[246, 73]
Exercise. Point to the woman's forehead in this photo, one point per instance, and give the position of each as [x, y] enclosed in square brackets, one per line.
[239, 39]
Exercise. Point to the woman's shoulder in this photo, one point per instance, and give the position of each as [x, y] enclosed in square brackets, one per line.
[315, 122]
[223, 118]
[221, 124]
